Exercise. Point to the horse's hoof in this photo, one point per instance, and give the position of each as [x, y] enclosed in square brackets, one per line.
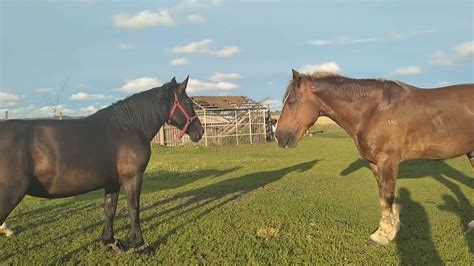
[470, 228]
[143, 249]
[117, 247]
[9, 232]
[374, 243]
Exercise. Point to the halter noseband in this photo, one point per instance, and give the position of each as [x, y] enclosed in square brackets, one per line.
[189, 119]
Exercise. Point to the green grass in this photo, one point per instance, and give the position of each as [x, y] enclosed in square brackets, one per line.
[261, 204]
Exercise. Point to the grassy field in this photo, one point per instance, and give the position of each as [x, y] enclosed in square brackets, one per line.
[261, 204]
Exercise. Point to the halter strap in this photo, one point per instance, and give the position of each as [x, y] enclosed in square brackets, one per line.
[189, 119]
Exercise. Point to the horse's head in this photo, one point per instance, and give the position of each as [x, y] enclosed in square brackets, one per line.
[300, 111]
[182, 114]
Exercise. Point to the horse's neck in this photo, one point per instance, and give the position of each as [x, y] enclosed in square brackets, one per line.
[348, 114]
[151, 133]
[147, 125]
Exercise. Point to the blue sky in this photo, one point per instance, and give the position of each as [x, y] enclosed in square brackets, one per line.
[106, 50]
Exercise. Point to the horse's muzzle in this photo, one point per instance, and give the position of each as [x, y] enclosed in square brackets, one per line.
[285, 140]
[195, 134]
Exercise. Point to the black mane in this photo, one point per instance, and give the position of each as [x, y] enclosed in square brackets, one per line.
[137, 112]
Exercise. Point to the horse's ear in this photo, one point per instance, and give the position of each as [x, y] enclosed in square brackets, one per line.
[296, 77]
[183, 85]
[185, 82]
[173, 80]
[296, 74]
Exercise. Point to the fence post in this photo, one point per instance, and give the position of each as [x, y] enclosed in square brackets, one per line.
[265, 125]
[60, 115]
[205, 127]
[250, 126]
[236, 127]
[162, 135]
[6, 115]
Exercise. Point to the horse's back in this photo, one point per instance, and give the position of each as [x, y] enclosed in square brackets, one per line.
[426, 123]
[461, 93]
[15, 139]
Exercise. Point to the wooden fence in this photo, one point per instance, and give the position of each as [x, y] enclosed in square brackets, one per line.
[224, 127]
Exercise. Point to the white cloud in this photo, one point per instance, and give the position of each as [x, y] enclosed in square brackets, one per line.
[197, 47]
[460, 54]
[144, 19]
[274, 104]
[20, 112]
[6, 97]
[125, 46]
[320, 42]
[89, 110]
[7, 104]
[188, 5]
[81, 96]
[392, 36]
[196, 19]
[48, 111]
[218, 76]
[343, 41]
[199, 85]
[179, 61]
[141, 84]
[465, 50]
[227, 51]
[43, 90]
[325, 67]
[409, 70]
[206, 47]
[31, 111]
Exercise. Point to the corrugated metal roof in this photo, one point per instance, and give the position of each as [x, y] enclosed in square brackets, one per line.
[226, 102]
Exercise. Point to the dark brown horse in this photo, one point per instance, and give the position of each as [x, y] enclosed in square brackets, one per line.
[107, 150]
[389, 121]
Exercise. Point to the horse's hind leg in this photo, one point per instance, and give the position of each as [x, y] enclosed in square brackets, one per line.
[471, 157]
[11, 193]
[386, 171]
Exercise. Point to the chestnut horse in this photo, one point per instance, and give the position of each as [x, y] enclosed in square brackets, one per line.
[107, 150]
[389, 121]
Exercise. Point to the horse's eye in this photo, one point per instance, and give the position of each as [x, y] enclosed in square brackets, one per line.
[291, 100]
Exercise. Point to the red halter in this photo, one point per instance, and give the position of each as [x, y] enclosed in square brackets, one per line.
[189, 119]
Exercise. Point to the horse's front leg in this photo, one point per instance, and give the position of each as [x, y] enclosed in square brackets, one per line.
[110, 206]
[132, 188]
[386, 171]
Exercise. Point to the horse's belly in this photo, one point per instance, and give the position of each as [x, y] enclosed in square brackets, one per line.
[66, 185]
[439, 147]
[67, 164]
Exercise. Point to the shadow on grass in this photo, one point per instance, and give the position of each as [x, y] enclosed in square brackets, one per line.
[444, 174]
[201, 201]
[218, 194]
[155, 181]
[414, 244]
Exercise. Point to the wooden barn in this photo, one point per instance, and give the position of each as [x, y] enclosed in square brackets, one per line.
[226, 120]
